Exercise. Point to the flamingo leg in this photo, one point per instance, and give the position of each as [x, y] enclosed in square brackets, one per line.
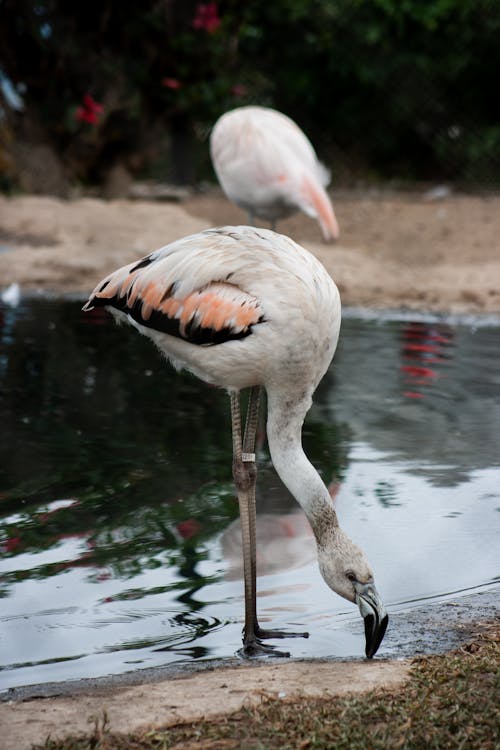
[245, 475]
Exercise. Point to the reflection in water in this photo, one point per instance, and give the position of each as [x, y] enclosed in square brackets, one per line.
[285, 542]
[118, 522]
[445, 436]
[424, 353]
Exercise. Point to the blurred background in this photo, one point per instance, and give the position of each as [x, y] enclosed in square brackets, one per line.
[97, 95]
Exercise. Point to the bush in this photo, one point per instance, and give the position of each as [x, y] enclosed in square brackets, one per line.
[397, 87]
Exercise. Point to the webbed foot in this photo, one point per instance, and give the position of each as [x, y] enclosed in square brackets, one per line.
[253, 646]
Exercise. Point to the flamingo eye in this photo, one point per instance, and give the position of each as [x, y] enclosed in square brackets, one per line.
[350, 575]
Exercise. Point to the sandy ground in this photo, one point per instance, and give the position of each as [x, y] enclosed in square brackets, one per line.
[185, 699]
[395, 251]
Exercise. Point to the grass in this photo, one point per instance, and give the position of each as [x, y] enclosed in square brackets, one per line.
[450, 701]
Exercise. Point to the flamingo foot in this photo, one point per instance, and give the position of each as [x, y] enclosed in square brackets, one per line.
[261, 633]
[254, 648]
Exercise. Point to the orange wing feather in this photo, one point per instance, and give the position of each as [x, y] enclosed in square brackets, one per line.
[214, 314]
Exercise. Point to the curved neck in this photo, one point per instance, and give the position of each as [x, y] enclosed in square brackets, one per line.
[285, 417]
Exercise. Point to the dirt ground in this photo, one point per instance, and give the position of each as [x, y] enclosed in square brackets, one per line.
[395, 251]
[207, 695]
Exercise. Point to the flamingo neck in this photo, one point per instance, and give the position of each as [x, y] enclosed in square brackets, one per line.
[285, 418]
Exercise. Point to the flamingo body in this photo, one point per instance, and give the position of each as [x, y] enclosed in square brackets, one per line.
[243, 307]
[267, 166]
[236, 306]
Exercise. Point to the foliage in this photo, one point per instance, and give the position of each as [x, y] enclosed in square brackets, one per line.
[402, 88]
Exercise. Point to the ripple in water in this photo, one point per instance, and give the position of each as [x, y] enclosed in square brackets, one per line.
[118, 528]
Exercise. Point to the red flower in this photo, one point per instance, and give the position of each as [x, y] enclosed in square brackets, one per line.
[171, 83]
[207, 17]
[90, 111]
[91, 104]
[85, 116]
[239, 90]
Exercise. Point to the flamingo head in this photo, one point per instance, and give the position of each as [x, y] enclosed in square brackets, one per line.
[346, 571]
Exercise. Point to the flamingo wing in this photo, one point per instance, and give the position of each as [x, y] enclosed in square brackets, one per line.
[148, 293]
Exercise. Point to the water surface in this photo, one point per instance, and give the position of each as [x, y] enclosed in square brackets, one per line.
[118, 523]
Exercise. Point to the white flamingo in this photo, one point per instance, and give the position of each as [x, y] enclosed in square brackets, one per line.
[248, 308]
[267, 166]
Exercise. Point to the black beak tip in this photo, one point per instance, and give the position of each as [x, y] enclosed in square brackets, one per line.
[374, 634]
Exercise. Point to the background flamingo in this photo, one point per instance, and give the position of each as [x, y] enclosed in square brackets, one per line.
[267, 166]
[248, 308]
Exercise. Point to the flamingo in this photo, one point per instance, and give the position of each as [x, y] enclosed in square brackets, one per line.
[267, 166]
[240, 308]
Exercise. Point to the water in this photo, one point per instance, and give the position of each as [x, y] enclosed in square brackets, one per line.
[118, 523]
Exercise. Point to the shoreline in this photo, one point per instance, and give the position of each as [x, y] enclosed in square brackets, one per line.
[395, 252]
[219, 689]
[465, 614]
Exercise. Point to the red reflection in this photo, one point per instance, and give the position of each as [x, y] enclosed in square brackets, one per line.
[424, 372]
[423, 344]
[334, 488]
[65, 505]
[189, 528]
[11, 544]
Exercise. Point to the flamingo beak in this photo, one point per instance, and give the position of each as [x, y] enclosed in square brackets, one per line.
[374, 614]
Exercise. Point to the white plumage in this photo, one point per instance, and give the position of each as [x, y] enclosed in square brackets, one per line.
[267, 166]
[243, 307]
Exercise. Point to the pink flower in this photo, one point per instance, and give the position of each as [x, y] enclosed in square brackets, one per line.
[171, 83]
[207, 17]
[89, 111]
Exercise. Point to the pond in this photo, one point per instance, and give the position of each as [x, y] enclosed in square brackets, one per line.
[118, 522]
